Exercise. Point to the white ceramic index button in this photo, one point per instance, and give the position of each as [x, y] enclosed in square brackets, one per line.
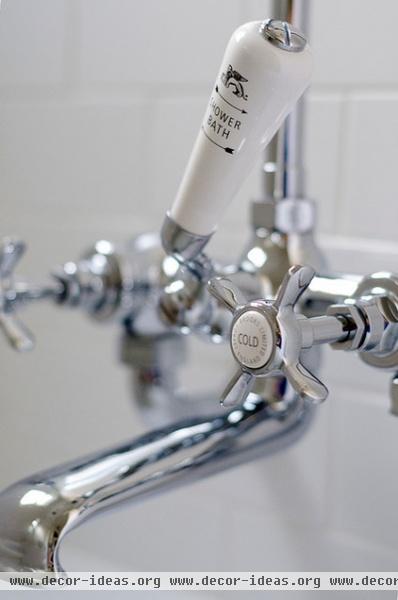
[252, 339]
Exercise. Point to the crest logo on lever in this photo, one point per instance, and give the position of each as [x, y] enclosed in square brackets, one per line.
[234, 79]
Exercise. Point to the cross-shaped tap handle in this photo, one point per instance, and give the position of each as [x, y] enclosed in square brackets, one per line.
[17, 334]
[266, 337]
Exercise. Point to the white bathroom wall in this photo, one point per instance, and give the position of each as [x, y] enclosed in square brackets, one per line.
[100, 102]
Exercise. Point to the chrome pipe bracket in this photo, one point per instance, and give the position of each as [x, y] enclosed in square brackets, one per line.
[384, 287]
[288, 215]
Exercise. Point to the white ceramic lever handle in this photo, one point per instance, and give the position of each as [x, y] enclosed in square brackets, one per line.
[266, 67]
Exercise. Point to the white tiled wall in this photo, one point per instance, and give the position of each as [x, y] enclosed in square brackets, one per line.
[100, 102]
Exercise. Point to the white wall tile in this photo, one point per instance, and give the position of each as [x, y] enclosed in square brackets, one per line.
[349, 47]
[349, 254]
[32, 42]
[363, 487]
[154, 42]
[370, 145]
[59, 160]
[171, 131]
[322, 155]
[255, 10]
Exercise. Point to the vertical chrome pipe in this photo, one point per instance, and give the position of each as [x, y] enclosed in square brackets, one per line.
[284, 169]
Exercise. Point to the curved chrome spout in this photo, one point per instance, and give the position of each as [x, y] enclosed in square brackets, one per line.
[36, 513]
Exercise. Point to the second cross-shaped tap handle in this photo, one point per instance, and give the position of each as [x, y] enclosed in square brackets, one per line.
[17, 334]
[266, 337]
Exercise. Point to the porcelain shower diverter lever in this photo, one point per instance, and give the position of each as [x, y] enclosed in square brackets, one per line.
[265, 69]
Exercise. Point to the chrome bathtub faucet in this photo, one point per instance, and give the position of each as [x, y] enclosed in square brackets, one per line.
[276, 305]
